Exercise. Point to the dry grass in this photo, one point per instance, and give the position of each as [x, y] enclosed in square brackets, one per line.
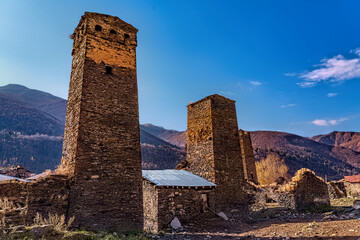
[6, 205]
[58, 223]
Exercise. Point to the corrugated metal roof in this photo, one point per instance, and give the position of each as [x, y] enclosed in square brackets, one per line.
[175, 178]
[352, 179]
[8, 178]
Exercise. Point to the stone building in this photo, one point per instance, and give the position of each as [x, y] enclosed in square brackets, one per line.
[213, 149]
[305, 191]
[352, 185]
[247, 154]
[174, 193]
[101, 149]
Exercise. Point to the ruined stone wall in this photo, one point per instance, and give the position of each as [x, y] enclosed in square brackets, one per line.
[213, 149]
[335, 191]
[102, 137]
[247, 154]
[45, 196]
[14, 191]
[352, 189]
[49, 195]
[305, 191]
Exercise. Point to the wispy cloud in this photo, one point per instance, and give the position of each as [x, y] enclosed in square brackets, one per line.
[328, 122]
[355, 51]
[332, 94]
[226, 93]
[290, 74]
[255, 83]
[288, 105]
[336, 69]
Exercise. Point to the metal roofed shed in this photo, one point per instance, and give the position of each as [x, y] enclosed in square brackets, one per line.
[176, 179]
[174, 193]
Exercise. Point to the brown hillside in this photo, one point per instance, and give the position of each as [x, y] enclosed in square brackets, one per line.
[344, 139]
[300, 152]
[177, 138]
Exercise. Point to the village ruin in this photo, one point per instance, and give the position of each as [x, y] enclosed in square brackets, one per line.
[100, 181]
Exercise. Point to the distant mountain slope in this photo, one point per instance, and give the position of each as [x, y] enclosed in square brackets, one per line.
[35, 152]
[159, 154]
[32, 125]
[299, 152]
[174, 137]
[344, 139]
[19, 117]
[36, 99]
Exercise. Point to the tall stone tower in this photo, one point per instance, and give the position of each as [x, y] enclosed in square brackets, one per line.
[213, 149]
[247, 153]
[101, 150]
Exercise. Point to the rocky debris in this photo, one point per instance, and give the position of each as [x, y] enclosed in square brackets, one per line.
[223, 216]
[356, 204]
[175, 224]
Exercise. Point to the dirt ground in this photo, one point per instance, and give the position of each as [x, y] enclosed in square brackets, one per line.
[341, 222]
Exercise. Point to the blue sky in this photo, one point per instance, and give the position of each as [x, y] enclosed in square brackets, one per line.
[290, 65]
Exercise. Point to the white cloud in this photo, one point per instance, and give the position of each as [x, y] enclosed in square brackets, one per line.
[332, 94]
[255, 83]
[290, 74]
[335, 69]
[328, 122]
[288, 105]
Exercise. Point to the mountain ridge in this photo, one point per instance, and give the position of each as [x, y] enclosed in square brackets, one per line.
[31, 135]
[339, 138]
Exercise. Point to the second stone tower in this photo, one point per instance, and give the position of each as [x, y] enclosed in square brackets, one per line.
[213, 149]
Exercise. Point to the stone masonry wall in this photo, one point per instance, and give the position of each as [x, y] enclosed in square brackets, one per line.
[49, 195]
[162, 205]
[247, 154]
[16, 192]
[305, 191]
[45, 196]
[101, 149]
[200, 153]
[185, 204]
[352, 189]
[151, 211]
[213, 149]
